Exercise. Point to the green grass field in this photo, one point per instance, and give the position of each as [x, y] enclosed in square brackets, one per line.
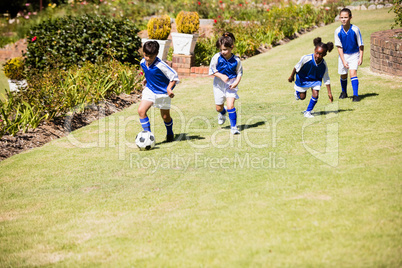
[287, 192]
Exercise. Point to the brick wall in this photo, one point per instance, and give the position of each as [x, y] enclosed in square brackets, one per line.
[385, 52]
[183, 64]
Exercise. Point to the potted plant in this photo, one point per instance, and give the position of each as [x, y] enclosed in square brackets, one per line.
[184, 40]
[14, 71]
[159, 29]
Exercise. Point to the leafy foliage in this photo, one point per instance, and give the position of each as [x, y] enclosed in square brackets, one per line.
[204, 50]
[54, 93]
[75, 40]
[397, 8]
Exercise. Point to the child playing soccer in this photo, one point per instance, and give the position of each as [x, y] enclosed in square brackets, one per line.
[228, 71]
[159, 82]
[310, 71]
[349, 42]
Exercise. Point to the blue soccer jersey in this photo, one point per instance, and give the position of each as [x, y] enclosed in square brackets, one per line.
[231, 67]
[309, 73]
[158, 75]
[349, 41]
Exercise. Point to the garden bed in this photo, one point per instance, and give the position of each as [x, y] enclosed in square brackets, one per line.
[48, 131]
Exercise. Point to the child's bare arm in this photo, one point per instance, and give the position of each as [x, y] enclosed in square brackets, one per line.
[361, 50]
[169, 89]
[236, 82]
[340, 51]
[292, 76]
[330, 93]
[223, 77]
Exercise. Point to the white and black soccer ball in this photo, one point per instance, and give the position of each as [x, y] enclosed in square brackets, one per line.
[145, 140]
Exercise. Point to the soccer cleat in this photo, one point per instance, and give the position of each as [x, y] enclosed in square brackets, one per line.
[169, 138]
[356, 98]
[234, 131]
[296, 97]
[308, 114]
[343, 95]
[221, 119]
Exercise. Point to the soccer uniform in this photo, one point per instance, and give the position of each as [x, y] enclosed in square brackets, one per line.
[231, 68]
[309, 74]
[158, 76]
[350, 42]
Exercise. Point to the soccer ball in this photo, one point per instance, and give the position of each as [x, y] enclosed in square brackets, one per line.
[145, 140]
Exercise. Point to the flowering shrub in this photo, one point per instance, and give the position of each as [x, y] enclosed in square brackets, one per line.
[159, 27]
[75, 40]
[187, 22]
[14, 68]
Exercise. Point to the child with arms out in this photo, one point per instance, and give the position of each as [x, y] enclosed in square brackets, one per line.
[310, 71]
[349, 42]
[227, 69]
[159, 82]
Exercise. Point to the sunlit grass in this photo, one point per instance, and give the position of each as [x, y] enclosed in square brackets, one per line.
[259, 199]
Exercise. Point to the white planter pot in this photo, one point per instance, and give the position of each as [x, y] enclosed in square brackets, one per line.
[164, 46]
[15, 85]
[184, 43]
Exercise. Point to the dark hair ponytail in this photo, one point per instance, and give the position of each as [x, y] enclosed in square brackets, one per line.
[327, 46]
[227, 40]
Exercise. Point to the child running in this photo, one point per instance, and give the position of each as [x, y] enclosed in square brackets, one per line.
[349, 42]
[310, 71]
[159, 82]
[228, 71]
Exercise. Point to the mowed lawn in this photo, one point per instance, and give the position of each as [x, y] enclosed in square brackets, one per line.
[287, 192]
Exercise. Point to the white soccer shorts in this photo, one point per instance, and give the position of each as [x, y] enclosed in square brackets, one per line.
[351, 59]
[222, 91]
[304, 89]
[161, 101]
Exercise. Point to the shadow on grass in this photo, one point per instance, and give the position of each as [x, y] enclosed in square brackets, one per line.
[244, 126]
[333, 112]
[368, 95]
[182, 137]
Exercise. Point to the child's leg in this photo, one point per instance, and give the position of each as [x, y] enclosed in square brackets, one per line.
[232, 111]
[221, 116]
[168, 124]
[142, 112]
[355, 82]
[221, 109]
[313, 100]
[344, 83]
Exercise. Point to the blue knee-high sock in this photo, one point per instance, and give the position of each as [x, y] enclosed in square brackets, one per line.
[344, 85]
[311, 105]
[298, 94]
[169, 127]
[233, 117]
[146, 125]
[355, 85]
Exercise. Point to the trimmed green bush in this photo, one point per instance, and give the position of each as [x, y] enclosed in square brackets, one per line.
[75, 40]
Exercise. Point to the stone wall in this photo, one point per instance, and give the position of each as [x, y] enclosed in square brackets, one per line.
[13, 50]
[385, 53]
